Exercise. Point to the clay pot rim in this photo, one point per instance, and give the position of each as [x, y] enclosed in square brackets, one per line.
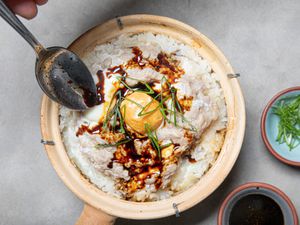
[98, 199]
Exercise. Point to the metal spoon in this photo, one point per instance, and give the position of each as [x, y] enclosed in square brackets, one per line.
[60, 73]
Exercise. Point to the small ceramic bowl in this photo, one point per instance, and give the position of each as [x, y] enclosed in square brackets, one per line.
[288, 210]
[269, 130]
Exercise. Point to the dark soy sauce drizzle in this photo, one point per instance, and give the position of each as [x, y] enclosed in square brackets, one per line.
[100, 87]
[256, 209]
[88, 96]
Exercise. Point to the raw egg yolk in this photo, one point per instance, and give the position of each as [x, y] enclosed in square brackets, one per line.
[139, 109]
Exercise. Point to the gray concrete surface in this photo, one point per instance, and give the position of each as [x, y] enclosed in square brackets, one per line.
[261, 39]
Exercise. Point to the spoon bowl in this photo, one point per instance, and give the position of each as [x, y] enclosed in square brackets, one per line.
[60, 73]
[65, 78]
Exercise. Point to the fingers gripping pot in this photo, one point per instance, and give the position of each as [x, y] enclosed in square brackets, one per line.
[100, 207]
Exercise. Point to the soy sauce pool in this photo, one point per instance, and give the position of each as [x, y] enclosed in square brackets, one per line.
[256, 209]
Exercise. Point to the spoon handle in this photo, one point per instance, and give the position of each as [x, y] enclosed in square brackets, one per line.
[10, 18]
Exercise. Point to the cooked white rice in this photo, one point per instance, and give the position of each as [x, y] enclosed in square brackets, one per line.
[198, 80]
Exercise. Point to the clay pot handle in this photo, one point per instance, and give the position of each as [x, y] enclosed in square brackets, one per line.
[92, 216]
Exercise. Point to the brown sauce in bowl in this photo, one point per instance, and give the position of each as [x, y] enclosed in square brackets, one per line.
[256, 209]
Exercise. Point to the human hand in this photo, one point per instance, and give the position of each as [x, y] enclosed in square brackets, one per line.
[25, 8]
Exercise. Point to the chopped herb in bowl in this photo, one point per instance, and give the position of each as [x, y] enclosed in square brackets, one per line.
[288, 111]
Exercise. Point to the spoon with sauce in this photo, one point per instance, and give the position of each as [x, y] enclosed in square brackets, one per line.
[60, 73]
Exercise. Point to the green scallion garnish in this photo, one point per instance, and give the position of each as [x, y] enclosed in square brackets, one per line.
[153, 139]
[123, 141]
[114, 114]
[148, 90]
[288, 111]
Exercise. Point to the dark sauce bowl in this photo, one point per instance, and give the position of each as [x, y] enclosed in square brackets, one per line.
[257, 204]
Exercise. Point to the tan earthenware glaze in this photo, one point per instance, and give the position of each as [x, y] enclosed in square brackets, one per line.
[100, 205]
